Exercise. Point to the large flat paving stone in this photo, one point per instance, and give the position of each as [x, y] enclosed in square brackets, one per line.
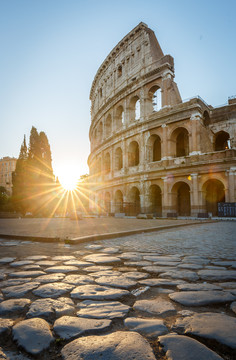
[61, 269]
[181, 274]
[136, 275]
[5, 326]
[63, 257]
[97, 292]
[13, 306]
[34, 335]
[213, 326]
[21, 290]
[154, 306]
[196, 259]
[46, 263]
[157, 269]
[160, 282]
[78, 263]
[233, 307]
[6, 260]
[145, 326]
[200, 298]
[12, 355]
[190, 266]
[120, 345]
[198, 287]
[78, 279]
[99, 274]
[96, 268]
[68, 327]
[49, 307]
[131, 256]
[116, 281]
[179, 347]
[50, 278]
[110, 250]
[217, 275]
[14, 282]
[21, 263]
[53, 290]
[102, 259]
[22, 274]
[102, 309]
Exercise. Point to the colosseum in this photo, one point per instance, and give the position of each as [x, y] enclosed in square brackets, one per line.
[152, 152]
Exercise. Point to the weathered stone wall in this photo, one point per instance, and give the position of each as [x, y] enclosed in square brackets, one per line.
[151, 152]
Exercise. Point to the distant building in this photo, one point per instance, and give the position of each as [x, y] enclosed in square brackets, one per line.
[152, 152]
[7, 166]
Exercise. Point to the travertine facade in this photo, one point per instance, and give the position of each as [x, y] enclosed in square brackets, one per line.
[7, 166]
[150, 151]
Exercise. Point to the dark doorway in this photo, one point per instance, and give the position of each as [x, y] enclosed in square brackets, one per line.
[214, 193]
[155, 200]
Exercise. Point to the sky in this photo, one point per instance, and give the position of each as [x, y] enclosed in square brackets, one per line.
[50, 51]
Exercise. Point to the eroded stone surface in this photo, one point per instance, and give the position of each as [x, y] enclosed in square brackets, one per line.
[49, 307]
[50, 278]
[21, 263]
[233, 307]
[68, 327]
[34, 335]
[6, 260]
[102, 309]
[198, 287]
[181, 274]
[178, 347]
[154, 306]
[97, 292]
[13, 305]
[78, 279]
[161, 282]
[214, 326]
[120, 345]
[22, 274]
[200, 298]
[19, 290]
[116, 281]
[61, 269]
[53, 290]
[147, 327]
[217, 275]
[102, 259]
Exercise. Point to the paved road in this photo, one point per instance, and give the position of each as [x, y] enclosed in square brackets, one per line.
[60, 301]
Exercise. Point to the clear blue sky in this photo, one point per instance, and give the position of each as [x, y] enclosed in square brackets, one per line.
[50, 51]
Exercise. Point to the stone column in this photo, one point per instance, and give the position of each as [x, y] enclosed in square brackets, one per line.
[166, 197]
[194, 144]
[165, 147]
[167, 79]
[194, 195]
[232, 184]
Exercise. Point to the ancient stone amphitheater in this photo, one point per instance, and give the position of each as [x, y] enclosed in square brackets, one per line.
[152, 152]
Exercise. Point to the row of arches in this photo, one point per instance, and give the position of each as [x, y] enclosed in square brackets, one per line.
[105, 127]
[179, 143]
[213, 191]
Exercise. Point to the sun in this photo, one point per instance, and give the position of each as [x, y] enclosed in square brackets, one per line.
[68, 182]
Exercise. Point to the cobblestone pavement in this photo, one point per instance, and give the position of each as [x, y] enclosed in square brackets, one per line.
[165, 295]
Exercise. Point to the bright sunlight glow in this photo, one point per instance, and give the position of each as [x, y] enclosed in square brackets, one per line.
[68, 178]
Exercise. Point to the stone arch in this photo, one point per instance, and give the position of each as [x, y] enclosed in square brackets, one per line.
[180, 142]
[107, 202]
[181, 198]
[118, 158]
[108, 126]
[134, 202]
[154, 148]
[206, 118]
[133, 154]
[222, 141]
[135, 108]
[119, 204]
[213, 192]
[107, 163]
[120, 117]
[155, 199]
[155, 96]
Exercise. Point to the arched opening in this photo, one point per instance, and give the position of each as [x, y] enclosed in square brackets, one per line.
[133, 154]
[214, 192]
[119, 208]
[107, 163]
[155, 95]
[118, 159]
[134, 203]
[222, 141]
[119, 117]
[107, 202]
[108, 126]
[135, 108]
[157, 149]
[181, 199]
[181, 138]
[155, 199]
[206, 118]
